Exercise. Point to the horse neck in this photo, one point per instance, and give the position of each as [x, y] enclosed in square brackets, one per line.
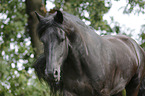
[72, 64]
[78, 48]
[76, 40]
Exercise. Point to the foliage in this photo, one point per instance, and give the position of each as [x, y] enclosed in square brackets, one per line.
[124, 92]
[16, 53]
[142, 35]
[135, 6]
[90, 11]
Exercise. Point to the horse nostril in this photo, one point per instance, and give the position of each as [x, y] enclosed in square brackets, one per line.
[55, 72]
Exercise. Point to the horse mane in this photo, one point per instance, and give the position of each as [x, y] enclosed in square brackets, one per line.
[39, 66]
[42, 26]
[77, 22]
[74, 24]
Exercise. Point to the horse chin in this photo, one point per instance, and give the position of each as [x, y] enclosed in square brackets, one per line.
[56, 79]
[53, 77]
[52, 80]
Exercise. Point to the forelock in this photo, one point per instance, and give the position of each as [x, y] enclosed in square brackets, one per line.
[43, 25]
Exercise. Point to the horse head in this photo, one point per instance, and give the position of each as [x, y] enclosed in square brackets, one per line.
[55, 43]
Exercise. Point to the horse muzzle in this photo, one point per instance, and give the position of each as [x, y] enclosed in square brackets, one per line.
[49, 74]
[55, 74]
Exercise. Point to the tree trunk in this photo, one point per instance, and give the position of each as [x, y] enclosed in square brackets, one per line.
[31, 7]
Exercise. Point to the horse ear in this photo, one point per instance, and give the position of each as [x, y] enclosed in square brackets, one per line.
[39, 17]
[58, 17]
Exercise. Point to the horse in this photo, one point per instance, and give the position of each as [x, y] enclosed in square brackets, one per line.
[78, 62]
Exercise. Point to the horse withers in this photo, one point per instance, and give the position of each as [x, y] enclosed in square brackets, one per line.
[78, 62]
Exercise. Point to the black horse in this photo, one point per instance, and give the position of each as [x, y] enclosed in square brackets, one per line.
[78, 62]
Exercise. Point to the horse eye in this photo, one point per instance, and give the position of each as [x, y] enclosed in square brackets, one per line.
[56, 72]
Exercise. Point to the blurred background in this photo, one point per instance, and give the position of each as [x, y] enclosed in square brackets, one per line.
[20, 46]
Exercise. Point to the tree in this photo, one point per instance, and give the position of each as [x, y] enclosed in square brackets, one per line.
[31, 7]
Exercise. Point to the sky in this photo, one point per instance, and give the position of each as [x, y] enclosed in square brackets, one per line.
[132, 21]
